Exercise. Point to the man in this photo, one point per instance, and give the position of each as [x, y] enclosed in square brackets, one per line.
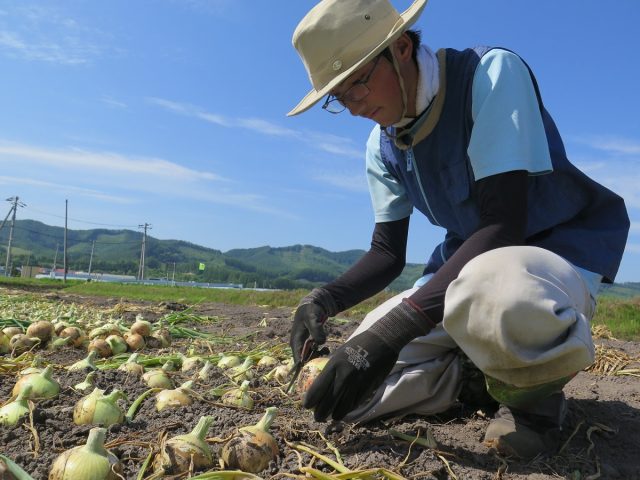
[463, 137]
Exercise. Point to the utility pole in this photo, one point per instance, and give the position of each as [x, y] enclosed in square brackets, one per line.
[16, 203]
[145, 226]
[173, 276]
[64, 248]
[55, 260]
[93, 245]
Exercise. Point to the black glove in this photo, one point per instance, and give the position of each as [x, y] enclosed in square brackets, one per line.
[310, 315]
[360, 366]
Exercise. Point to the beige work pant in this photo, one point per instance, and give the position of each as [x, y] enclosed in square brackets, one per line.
[520, 314]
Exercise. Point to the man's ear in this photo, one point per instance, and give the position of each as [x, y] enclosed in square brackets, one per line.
[403, 47]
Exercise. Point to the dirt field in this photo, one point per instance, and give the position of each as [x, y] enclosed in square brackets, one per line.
[601, 439]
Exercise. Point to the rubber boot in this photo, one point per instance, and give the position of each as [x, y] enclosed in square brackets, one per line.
[527, 432]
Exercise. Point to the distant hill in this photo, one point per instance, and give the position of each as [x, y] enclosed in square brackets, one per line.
[118, 251]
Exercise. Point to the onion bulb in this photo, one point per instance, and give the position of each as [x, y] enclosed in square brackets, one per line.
[57, 343]
[181, 451]
[42, 329]
[174, 398]
[190, 363]
[75, 334]
[229, 361]
[141, 327]
[4, 344]
[21, 343]
[158, 377]
[85, 363]
[163, 336]
[242, 372]
[253, 447]
[88, 462]
[12, 412]
[37, 366]
[131, 366]
[11, 331]
[135, 341]
[267, 361]
[206, 372]
[309, 373]
[99, 409]
[238, 397]
[101, 347]
[42, 385]
[117, 344]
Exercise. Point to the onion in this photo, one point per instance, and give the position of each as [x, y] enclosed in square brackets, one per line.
[158, 377]
[163, 336]
[74, 333]
[309, 373]
[85, 363]
[190, 363]
[42, 329]
[87, 383]
[101, 347]
[58, 343]
[99, 409]
[242, 372]
[37, 366]
[267, 361]
[229, 361]
[11, 331]
[131, 366]
[104, 331]
[238, 397]
[117, 344]
[88, 462]
[253, 447]
[59, 326]
[4, 344]
[141, 327]
[206, 371]
[20, 343]
[135, 341]
[11, 413]
[174, 398]
[42, 384]
[182, 451]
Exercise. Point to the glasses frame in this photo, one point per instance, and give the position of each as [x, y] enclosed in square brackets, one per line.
[332, 102]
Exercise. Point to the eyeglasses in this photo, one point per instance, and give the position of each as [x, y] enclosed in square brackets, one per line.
[355, 93]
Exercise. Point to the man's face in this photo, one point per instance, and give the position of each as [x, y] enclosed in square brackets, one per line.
[383, 103]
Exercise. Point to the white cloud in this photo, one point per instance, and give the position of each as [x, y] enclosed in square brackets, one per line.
[611, 144]
[49, 186]
[326, 142]
[112, 102]
[104, 162]
[43, 34]
[133, 174]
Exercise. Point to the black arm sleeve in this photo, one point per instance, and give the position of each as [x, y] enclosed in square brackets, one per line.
[502, 200]
[377, 268]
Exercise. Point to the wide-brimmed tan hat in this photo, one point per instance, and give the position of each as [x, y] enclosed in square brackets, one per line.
[339, 36]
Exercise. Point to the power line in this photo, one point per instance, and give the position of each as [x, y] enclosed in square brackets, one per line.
[83, 221]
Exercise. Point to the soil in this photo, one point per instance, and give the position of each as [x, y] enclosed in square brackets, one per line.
[601, 438]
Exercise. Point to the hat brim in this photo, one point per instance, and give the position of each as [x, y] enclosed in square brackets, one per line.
[409, 17]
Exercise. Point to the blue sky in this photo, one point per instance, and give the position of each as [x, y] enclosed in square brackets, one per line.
[173, 113]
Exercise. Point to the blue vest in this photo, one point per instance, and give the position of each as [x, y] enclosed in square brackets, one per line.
[568, 213]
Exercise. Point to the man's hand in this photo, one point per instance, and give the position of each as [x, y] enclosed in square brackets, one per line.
[360, 366]
[354, 371]
[312, 312]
